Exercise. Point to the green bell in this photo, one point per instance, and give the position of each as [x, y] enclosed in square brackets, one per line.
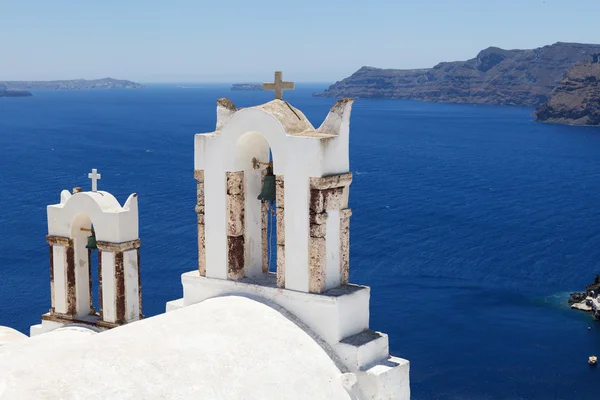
[91, 244]
[268, 190]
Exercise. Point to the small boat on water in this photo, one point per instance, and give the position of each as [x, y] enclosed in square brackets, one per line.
[593, 360]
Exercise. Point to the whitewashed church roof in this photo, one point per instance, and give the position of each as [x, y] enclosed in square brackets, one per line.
[294, 122]
[9, 335]
[221, 348]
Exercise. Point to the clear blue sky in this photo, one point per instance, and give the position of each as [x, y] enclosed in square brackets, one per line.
[235, 40]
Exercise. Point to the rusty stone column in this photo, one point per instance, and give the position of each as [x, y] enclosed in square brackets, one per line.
[120, 287]
[280, 216]
[316, 243]
[264, 234]
[69, 264]
[118, 250]
[199, 176]
[345, 215]
[235, 225]
[328, 193]
[100, 285]
[52, 300]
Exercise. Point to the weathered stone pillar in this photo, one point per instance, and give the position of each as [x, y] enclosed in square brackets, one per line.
[235, 225]
[121, 295]
[199, 176]
[317, 248]
[101, 313]
[264, 234]
[92, 308]
[62, 275]
[329, 198]
[345, 215]
[280, 215]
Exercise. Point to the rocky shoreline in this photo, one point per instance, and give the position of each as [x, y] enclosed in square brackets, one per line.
[588, 300]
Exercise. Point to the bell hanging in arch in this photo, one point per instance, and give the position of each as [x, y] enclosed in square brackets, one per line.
[91, 244]
[268, 190]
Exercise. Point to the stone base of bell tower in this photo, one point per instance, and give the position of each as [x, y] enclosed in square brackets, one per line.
[338, 319]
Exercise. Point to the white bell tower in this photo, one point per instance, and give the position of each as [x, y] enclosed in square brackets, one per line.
[312, 180]
[114, 232]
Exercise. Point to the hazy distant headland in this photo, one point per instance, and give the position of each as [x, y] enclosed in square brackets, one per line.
[246, 86]
[495, 76]
[5, 92]
[75, 84]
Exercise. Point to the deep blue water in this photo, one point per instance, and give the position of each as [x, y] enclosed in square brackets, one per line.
[470, 223]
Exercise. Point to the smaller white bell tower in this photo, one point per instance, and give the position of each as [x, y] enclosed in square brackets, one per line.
[82, 224]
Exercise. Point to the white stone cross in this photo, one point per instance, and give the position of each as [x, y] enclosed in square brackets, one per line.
[94, 176]
[278, 86]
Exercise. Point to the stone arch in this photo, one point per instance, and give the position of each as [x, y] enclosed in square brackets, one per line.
[249, 219]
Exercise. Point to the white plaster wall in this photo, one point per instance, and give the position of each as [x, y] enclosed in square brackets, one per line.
[215, 220]
[336, 157]
[59, 259]
[333, 318]
[109, 306]
[132, 299]
[296, 194]
[332, 236]
[112, 222]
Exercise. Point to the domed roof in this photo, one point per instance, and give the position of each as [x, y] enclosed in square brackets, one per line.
[223, 348]
[9, 335]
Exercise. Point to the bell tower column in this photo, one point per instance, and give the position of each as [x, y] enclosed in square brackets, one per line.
[280, 215]
[62, 275]
[121, 289]
[235, 226]
[199, 175]
[329, 218]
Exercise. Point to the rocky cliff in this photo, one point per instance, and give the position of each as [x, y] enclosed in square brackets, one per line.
[576, 100]
[495, 76]
[75, 84]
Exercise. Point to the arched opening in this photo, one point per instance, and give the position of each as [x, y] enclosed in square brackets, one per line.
[87, 273]
[255, 158]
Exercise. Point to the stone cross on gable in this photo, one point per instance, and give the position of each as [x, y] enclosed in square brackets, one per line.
[279, 85]
[94, 176]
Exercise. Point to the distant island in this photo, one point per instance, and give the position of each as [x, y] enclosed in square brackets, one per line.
[247, 86]
[5, 92]
[75, 84]
[576, 100]
[495, 76]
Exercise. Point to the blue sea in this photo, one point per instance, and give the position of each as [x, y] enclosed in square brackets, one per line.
[471, 223]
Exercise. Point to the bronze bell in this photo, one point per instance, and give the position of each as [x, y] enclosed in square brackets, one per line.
[91, 244]
[268, 190]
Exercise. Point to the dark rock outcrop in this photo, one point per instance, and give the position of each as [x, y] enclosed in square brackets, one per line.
[495, 76]
[591, 290]
[576, 100]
